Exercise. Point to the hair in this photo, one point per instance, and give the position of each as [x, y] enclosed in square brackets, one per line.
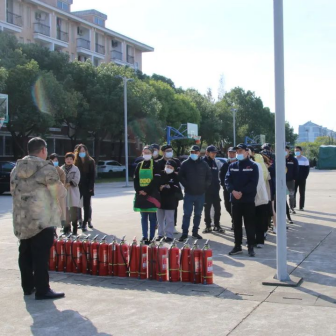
[69, 154]
[35, 145]
[267, 160]
[82, 166]
[299, 147]
[53, 156]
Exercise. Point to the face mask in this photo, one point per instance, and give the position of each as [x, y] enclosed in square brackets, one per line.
[147, 157]
[82, 154]
[194, 157]
[240, 157]
[169, 155]
[55, 163]
[169, 170]
[297, 153]
[156, 153]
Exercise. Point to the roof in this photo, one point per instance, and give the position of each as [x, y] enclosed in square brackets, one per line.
[90, 12]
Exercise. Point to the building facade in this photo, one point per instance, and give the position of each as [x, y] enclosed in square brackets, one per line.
[309, 131]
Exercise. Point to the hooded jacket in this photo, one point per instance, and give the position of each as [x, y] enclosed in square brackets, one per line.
[36, 190]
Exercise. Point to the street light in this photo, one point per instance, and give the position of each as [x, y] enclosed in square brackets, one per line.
[126, 80]
[234, 125]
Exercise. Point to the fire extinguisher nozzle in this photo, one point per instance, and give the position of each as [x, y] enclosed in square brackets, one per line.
[95, 237]
[104, 238]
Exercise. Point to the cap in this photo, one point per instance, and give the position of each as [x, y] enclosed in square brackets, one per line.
[212, 149]
[156, 146]
[251, 148]
[266, 145]
[149, 148]
[171, 163]
[231, 149]
[165, 147]
[241, 146]
[194, 148]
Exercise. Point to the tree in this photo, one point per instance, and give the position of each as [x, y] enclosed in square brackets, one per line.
[290, 135]
[164, 80]
[3, 78]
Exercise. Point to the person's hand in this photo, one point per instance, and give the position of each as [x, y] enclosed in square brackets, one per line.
[141, 192]
[237, 194]
[167, 186]
[161, 187]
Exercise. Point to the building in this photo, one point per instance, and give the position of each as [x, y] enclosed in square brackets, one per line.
[309, 131]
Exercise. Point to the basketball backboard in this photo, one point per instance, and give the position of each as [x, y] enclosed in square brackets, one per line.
[4, 108]
[192, 130]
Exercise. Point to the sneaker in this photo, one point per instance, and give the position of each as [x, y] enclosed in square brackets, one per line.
[274, 230]
[159, 238]
[175, 231]
[183, 238]
[196, 236]
[146, 241]
[207, 230]
[251, 252]
[218, 229]
[168, 240]
[265, 234]
[293, 212]
[90, 225]
[301, 209]
[290, 221]
[260, 245]
[236, 250]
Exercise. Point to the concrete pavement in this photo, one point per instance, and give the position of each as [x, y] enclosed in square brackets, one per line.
[237, 304]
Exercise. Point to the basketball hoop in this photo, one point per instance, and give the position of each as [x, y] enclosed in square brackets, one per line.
[197, 139]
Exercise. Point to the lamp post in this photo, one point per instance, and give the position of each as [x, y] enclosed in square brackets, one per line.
[234, 125]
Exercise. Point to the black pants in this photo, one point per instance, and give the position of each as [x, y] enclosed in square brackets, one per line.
[301, 185]
[227, 203]
[215, 201]
[87, 208]
[262, 215]
[246, 211]
[71, 218]
[34, 261]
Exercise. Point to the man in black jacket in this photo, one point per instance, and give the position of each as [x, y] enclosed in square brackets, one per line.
[195, 176]
[241, 182]
[212, 197]
[291, 176]
[300, 182]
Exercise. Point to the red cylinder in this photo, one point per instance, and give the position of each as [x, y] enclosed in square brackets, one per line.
[68, 255]
[103, 257]
[133, 259]
[162, 263]
[174, 263]
[195, 264]
[152, 260]
[52, 257]
[94, 252]
[60, 255]
[122, 255]
[86, 256]
[185, 263]
[143, 260]
[77, 251]
[207, 265]
[112, 259]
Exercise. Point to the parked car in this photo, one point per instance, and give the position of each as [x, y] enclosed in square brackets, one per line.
[110, 167]
[221, 159]
[5, 170]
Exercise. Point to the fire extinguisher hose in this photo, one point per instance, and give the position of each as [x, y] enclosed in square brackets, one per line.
[130, 260]
[125, 261]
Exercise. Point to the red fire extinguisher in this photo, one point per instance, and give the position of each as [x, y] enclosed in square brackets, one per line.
[86, 256]
[122, 256]
[152, 259]
[94, 252]
[174, 262]
[68, 254]
[103, 257]
[133, 259]
[112, 258]
[162, 262]
[142, 260]
[60, 254]
[195, 263]
[77, 251]
[52, 257]
[207, 273]
[185, 262]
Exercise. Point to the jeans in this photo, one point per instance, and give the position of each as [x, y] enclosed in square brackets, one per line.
[291, 190]
[196, 203]
[215, 201]
[144, 223]
[301, 185]
[166, 223]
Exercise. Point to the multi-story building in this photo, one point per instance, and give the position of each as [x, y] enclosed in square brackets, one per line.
[309, 131]
[82, 34]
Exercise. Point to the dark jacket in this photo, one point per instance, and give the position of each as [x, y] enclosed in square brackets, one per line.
[87, 180]
[292, 168]
[168, 195]
[242, 176]
[303, 168]
[215, 184]
[162, 163]
[195, 176]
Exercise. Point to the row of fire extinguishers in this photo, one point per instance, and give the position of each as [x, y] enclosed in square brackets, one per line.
[137, 260]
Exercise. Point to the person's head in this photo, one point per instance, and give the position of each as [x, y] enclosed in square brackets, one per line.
[147, 153]
[69, 158]
[231, 154]
[287, 151]
[54, 158]
[170, 166]
[156, 149]
[251, 151]
[242, 152]
[267, 160]
[298, 150]
[82, 151]
[211, 151]
[37, 147]
[194, 152]
[167, 151]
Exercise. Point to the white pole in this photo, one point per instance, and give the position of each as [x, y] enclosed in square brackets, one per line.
[234, 127]
[126, 129]
[281, 238]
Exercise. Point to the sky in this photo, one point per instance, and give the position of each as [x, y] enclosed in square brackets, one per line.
[198, 42]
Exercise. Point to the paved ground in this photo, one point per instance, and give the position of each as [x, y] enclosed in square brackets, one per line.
[238, 304]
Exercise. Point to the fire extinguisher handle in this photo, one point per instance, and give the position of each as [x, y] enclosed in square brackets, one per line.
[104, 238]
[95, 237]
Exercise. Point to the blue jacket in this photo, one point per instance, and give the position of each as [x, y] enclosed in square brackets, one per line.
[215, 184]
[292, 166]
[242, 176]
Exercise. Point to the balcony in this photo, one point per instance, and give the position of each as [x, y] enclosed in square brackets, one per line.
[130, 59]
[100, 49]
[83, 43]
[41, 28]
[62, 36]
[14, 19]
[116, 55]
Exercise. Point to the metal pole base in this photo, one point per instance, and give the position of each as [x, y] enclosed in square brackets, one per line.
[292, 281]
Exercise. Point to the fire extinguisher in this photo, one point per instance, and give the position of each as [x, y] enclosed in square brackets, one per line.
[103, 257]
[77, 251]
[133, 259]
[68, 255]
[122, 256]
[60, 254]
[162, 262]
[94, 252]
[142, 260]
[86, 256]
[185, 262]
[195, 263]
[207, 273]
[112, 258]
[152, 259]
[174, 262]
[52, 257]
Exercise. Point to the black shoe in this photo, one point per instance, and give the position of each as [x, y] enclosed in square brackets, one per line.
[84, 229]
[183, 238]
[251, 252]
[90, 225]
[301, 209]
[196, 236]
[29, 292]
[218, 229]
[236, 250]
[207, 229]
[168, 240]
[50, 295]
[67, 230]
[158, 238]
[290, 221]
[232, 227]
[293, 212]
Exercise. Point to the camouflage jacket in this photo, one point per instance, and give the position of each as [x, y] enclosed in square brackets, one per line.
[36, 190]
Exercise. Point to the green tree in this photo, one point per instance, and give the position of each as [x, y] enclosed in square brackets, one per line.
[3, 78]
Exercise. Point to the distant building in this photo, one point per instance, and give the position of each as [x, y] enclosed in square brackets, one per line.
[309, 131]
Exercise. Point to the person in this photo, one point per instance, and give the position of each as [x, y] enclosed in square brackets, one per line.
[156, 152]
[147, 177]
[231, 158]
[291, 176]
[86, 166]
[212, 197]
[36, 190]
[195, 177]
[170, 191]
[73, 198]
[300, 182]
[241, 182]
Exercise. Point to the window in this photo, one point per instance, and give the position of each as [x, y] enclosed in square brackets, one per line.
[62, 5]
[98, 21]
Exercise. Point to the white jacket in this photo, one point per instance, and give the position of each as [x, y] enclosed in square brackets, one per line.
[262, 196]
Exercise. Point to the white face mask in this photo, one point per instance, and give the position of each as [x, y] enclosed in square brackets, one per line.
[155, 153]
[169, 155]
[147, 157]
[169, 170]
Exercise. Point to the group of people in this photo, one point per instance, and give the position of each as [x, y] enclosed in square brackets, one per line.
[249, 189]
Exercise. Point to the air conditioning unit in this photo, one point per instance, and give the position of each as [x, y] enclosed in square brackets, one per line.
[38, 16]
[115, 43]
[80, 31]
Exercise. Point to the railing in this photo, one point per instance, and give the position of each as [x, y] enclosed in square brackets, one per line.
[63, 36]
[14, 19]
[130, 59]
[82, 43]
[41, 29]
[116, 55]
[100, 49]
